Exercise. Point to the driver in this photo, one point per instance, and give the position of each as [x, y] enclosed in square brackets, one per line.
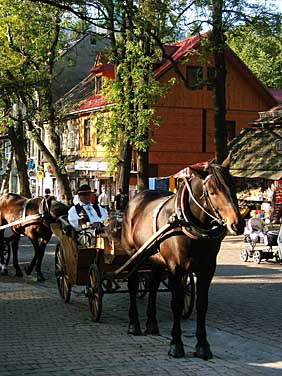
[86, 212]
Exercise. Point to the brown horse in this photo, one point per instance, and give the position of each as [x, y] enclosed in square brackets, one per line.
[32, 218]
[204, 207]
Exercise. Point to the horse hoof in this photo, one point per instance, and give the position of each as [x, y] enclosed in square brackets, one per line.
[134, 329]
[203, 352]
[152, 329]
[176, 350]
[27, 270]
[40, 278]
[4, 272]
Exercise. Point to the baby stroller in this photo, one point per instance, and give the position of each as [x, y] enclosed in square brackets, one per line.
[256, 235]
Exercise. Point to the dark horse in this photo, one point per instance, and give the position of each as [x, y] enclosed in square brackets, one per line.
[204, 207]
[36, 214]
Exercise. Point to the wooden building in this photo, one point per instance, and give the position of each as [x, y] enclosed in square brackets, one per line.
[186, 132]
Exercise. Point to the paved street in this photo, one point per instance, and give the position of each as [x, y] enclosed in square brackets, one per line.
[41, 335]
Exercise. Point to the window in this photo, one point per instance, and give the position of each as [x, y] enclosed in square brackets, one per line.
[231, 130]
[71, 137]
[194, 77]
[97, 84]
[87, 132]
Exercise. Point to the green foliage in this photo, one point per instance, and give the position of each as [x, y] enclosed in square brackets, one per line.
[261, 49]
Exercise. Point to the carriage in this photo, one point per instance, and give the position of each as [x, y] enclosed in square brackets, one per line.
[260, 242]
[98, 262]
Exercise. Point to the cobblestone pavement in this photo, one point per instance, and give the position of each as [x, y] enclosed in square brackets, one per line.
[41, 335]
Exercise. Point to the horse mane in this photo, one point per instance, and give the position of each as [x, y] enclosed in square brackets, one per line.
[57, 208]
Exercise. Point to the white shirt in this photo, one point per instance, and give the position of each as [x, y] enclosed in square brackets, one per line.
[103, 199]
[91, 212]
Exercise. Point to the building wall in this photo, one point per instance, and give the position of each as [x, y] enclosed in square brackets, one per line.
[75, 64]
[186, 132]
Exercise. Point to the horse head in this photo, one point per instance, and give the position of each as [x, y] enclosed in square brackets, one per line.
[53, 209]
[218, 194]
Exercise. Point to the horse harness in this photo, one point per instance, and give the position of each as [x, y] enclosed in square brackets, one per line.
[26, 220]
[183, 218]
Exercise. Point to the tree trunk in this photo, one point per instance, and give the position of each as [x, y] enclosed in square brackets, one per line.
[17, 138]
[59, 172]
[142, 170]
[6, 179]
[220, 132]
[124, 167]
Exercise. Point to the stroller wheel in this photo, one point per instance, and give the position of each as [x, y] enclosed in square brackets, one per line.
[257, 257]
[244, 255]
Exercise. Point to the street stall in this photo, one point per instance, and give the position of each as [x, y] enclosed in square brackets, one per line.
[256, 163]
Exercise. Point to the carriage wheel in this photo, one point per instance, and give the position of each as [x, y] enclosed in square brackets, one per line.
[277, 258]
[62, 278]
[244, 255]
[257, 257]
[95, 292]
[189, 295]
[142, 285]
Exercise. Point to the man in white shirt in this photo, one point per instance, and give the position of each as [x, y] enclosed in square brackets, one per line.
[92, 213]
[103, 199]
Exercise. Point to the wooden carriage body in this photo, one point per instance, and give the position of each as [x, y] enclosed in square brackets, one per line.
[105, 252]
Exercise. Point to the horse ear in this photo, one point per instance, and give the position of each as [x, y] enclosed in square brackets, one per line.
[226, 162]
[199, 170]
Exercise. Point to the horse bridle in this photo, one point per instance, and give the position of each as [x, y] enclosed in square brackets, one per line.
[185, 217]
[216, 217]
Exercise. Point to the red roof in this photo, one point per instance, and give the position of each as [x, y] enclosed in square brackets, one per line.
[176, 51]
[94, 101]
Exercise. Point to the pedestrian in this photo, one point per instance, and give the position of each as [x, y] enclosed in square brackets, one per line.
[47, 195]
[103, 199]
[85, 212]
[94, 197]
[121, 200]
[277, 219]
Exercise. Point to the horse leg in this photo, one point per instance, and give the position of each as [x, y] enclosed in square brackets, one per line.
[39, 249]
[134, 325]
[42, 247]
[202, 347]
[15, 249]
[154, 283]
[177, 304]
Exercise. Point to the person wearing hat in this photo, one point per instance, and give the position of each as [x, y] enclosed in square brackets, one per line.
[84, 210]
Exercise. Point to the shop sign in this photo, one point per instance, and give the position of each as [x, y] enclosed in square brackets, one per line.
[278, 146]
[90, 165]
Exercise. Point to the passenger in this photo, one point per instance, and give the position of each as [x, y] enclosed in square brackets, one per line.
[94, 214]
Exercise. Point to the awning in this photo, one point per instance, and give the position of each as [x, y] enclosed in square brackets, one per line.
[257, 153]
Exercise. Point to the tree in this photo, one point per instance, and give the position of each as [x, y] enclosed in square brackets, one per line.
[260, 47]
[29, 38]
[222, 15]
[149, 23]
[134, 52]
